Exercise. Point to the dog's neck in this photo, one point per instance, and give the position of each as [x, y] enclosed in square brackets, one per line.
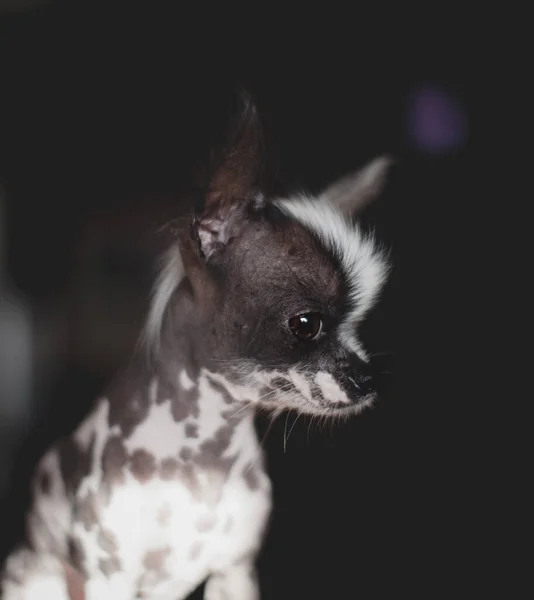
[180, 388]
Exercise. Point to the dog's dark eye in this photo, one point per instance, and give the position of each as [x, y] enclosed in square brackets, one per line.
[306, 327]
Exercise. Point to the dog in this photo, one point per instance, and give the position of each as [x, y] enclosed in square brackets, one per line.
[163, 486]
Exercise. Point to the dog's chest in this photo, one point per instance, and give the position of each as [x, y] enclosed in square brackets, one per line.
[170, 539]
[170, 491]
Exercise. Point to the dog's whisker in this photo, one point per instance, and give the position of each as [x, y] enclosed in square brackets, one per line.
[275, 391]
[241, 409]
[308, 431]
[264, 439]
[290, 430]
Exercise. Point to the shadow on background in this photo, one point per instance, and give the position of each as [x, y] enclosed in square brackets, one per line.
[103, 120]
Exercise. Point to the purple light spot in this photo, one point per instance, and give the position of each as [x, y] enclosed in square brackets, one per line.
[436, 121]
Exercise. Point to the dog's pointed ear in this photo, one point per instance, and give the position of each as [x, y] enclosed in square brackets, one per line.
[219, 210]
[353, 192]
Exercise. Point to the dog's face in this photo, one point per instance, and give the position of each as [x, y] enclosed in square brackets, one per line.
[289, 282]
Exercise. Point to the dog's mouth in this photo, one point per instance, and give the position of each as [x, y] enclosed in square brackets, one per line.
[316, 396]
[308, 392]
[338, 409]
[354, 408]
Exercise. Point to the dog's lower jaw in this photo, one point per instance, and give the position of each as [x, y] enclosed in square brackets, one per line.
[314, 394]
[339, 410]
[353, 409]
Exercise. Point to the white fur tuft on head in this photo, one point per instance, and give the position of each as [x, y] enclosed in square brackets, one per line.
[329, 217]
[363, 262]
[171, 274]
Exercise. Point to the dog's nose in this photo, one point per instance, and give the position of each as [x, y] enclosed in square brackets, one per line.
[365, 379]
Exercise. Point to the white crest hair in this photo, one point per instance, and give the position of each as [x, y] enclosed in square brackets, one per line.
[170, 276]
[362, 261]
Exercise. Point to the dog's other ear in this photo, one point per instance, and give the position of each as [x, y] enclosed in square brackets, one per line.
[353, 192]
[233, 182]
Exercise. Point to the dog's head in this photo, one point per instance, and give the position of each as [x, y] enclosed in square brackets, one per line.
[281, 284]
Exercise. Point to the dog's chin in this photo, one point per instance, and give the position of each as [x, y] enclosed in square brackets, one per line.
[331, 409]
[341, 409]
[363, 404]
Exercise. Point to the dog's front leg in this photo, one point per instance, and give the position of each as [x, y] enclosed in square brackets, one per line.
[238, 582]
[30, 575]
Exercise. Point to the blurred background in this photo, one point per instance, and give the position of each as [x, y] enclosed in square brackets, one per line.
[104, 113]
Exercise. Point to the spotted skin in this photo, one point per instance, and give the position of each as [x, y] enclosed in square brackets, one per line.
[163, 485]
[152, 506]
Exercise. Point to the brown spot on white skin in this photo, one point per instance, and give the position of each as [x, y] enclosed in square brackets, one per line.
[179, 410]
[114, 459]
[218, 387]
[185, 404]
[169, 469]
[186, 454]
[154, 560]
[108, 542]
[86, 510]
[109, 566]
[219, 443]
[136, 413]
[143, 465]
[75, 462]
[191, 430]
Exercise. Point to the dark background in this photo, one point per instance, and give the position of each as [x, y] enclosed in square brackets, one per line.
[103, 116]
